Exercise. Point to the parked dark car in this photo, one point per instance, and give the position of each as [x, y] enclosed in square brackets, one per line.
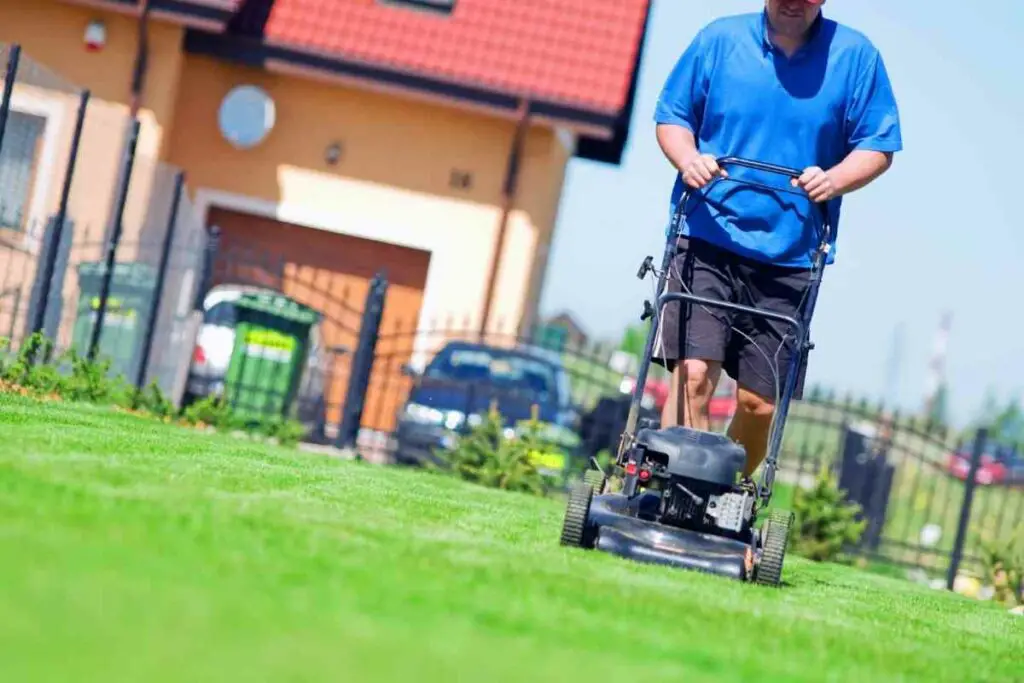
[456, 389]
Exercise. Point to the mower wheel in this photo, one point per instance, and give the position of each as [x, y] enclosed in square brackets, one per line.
[596, 480]
[774, 539]
[574, 526]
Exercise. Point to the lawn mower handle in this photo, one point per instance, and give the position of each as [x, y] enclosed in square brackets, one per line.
[740, 308]
[793, 173]
[798, 324]
[759, 166]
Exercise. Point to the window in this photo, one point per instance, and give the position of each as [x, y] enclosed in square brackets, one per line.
[222, 314]
[440, 6]
[22, 143]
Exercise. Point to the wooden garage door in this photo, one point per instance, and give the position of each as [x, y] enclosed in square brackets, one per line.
[331, 273]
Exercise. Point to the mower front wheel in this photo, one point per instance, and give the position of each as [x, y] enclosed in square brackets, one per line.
[596, 480]
[577, 510]
[774, 540]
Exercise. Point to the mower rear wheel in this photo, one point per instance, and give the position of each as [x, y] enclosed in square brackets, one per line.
[774, 539]
[574, 526]
[596, 480]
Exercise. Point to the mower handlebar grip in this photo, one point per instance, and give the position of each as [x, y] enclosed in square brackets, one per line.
[772, 168]
[760, 166]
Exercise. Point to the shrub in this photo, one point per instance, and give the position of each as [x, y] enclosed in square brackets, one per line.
[90, 381]
[153, 401]
[1002, 562]
[284, 431]
[209, 411]
[825, 522]
[486, 455]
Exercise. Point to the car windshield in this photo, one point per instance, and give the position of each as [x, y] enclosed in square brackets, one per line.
[223, 313]
[497, 367]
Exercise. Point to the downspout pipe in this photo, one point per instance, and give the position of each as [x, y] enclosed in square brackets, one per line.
[140, 67]
[508, 196]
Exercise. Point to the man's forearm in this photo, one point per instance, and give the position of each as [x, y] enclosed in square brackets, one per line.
[677, 143]
[858, 169]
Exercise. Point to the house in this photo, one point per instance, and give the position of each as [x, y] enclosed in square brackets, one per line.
[563, 331]
[329, 140]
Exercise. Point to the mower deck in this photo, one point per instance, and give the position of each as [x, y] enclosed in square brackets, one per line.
[614, 530]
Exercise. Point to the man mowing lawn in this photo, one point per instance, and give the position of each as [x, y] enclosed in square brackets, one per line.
[784, 86]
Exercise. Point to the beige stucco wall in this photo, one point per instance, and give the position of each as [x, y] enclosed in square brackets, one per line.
[391, 184]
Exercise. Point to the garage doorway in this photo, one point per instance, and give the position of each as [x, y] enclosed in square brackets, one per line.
[327, 271]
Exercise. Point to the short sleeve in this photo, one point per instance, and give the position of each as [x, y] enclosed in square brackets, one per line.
[872, 117]
[682, 98]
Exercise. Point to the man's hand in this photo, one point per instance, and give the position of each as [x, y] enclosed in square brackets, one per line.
[817, 183]
[700, 169]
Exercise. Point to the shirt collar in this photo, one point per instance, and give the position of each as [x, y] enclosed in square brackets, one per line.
[812, 38]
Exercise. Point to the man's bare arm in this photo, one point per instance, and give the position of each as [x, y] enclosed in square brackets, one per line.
[677, 143]
[680, 148]
[857, 170]
[860, 168]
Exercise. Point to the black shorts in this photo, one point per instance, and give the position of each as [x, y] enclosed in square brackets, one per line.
[751, 352]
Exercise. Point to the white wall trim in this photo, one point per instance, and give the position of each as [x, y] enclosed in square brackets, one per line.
[47, 173]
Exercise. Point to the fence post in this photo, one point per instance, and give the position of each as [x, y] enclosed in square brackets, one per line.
[965, 508]
[362, 365]
[115, 238]
[44, 310]
[161, 276]
[49, 263]
[13, 57]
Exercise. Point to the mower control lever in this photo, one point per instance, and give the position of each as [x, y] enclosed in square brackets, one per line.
[646, 267]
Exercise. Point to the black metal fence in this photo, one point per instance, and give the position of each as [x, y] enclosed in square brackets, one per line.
[109, 258]
[100, 248]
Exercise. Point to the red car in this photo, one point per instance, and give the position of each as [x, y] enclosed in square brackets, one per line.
[993, 469]
[723, 403]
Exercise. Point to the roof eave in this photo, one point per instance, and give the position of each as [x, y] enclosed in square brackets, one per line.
[611, 150]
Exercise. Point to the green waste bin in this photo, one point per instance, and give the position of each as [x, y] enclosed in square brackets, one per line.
[129, 303]
[271, 346]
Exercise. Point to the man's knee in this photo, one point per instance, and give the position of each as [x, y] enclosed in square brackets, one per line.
[754, 405]
[699, 378]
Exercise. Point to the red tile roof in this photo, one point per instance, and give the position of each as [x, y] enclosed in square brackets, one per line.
[580, 53]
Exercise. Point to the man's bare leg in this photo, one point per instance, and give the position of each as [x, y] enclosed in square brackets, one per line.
[750, 427]
[689, 398]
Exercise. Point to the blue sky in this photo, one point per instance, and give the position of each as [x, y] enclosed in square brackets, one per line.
[938, 232]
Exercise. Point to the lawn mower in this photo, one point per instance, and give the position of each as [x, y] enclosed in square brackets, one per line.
[684, 501]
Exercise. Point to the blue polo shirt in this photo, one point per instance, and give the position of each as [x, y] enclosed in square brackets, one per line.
[741, 96]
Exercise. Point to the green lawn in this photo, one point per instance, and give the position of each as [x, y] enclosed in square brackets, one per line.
[142, 552]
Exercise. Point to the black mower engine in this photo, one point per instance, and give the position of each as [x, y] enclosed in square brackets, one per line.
[696, 475]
